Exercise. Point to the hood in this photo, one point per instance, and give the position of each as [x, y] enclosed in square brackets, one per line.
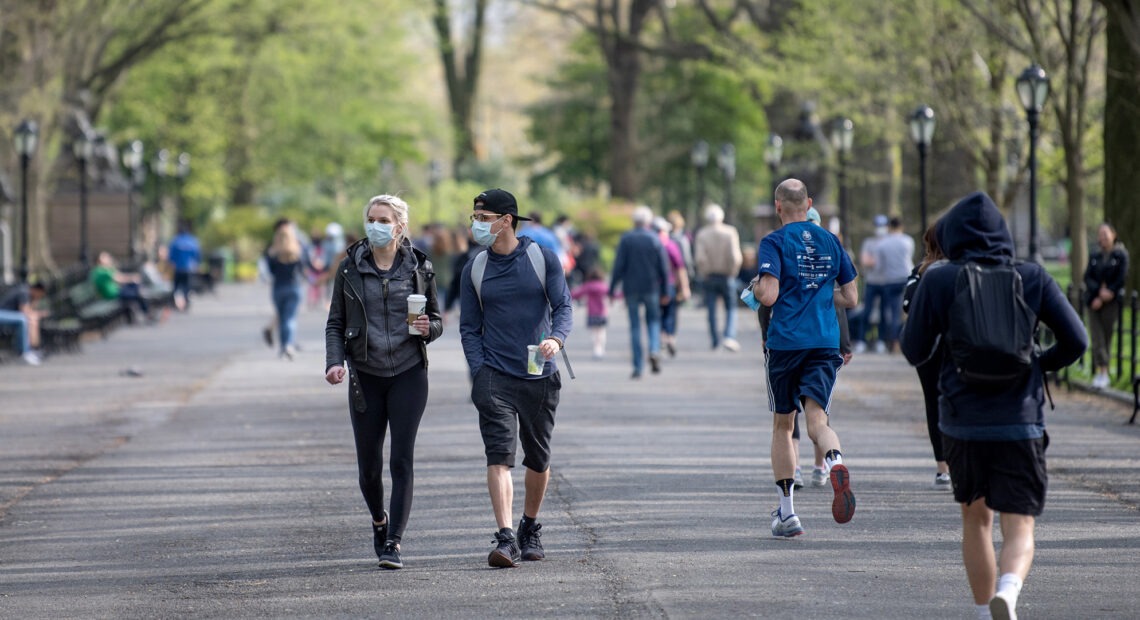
[413, 257]
[975, 230]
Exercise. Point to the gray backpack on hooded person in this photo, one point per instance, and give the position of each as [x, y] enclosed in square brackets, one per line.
[538, 261]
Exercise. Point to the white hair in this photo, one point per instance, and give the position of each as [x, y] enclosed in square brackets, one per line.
[642, 215]
[714, 214]
[398, 205]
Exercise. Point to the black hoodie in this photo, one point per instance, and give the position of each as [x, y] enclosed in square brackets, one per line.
[975, 231]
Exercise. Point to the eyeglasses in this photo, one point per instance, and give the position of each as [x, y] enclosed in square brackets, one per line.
[485, 217]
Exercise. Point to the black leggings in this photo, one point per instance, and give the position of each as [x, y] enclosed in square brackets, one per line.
[928, 377]
[390, 402]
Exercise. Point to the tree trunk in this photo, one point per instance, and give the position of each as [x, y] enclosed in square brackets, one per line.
[462, 79]
[624, 73]
[1122, 141]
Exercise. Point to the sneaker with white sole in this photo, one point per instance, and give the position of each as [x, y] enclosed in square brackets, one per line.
[819, 478]
[942, 481]
[730, 345]
[390, 557]
[798, 480]
[785, 527]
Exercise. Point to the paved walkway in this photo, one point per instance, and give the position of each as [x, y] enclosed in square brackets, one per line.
[221, 483]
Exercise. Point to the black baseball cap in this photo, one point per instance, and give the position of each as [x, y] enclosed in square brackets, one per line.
[499, 201]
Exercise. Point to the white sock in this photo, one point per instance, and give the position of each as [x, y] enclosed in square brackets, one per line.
[833, 461]
[983, 612]
[1010, 585]
[786, 505]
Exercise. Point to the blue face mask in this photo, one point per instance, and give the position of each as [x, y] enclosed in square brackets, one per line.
[481, 232]
[379, 235]
[749, 299]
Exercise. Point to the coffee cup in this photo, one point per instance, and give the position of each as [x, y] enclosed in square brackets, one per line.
[416, 305]
[534, 360]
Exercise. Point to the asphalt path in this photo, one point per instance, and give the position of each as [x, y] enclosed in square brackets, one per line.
[184, 470]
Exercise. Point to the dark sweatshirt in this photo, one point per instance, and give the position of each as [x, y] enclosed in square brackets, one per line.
[975, 231]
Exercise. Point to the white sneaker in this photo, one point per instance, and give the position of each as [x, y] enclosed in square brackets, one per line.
[1100, 381]
[942, 481]
[786, 528]
[1003, 606]
[731, 345]
[880, 347]
[798, 480]
[30, 358]
[819, 478]
[860, 347]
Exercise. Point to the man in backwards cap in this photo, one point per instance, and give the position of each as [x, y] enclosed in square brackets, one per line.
[505, 307]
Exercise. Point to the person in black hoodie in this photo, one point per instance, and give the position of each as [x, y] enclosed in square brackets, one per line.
[387, 363]
[994, 439]
[1104, 284]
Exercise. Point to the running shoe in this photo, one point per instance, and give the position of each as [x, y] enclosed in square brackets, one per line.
[785, 527]
[530, 542]
[380, 536]
[942, 481]
[843, 506]
[506, 553]
[390, 558]
[1002, 608]
[819, 478]
[798, 481]
[654, 364]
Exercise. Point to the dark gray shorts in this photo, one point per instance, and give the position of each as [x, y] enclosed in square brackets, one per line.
[513, 410]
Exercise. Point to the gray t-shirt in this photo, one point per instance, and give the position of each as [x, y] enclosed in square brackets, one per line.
[894, 257]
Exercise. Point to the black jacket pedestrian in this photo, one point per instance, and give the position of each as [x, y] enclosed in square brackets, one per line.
[975, 231]
[1108, 271]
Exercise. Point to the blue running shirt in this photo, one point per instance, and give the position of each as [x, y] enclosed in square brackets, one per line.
[807, 260]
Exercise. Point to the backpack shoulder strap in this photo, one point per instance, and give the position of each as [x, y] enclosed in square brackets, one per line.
[478, 267]
[538, 261]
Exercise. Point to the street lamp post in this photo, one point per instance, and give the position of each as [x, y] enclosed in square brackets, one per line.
[83, 149]
[1033, 90]
[922, 131]
[726, 161]
[133, 162]
[435, 175]
[699, 156]
[842, 139]
[26, 134]
[773, 153]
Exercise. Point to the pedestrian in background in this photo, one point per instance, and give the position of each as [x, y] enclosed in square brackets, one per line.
[505, 308]
[368, 327]
[594, 291]
[678, 285]
[641, 268]
[718, 257]
[1104, 284]
[800, 264]
[873, 282]
[993, 436]
[930, 369]
[286, 264]
[894, 263]
[185, 256]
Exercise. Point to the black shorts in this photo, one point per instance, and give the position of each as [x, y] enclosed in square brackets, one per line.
[513, 410]
[798, 374]
[1010, 475]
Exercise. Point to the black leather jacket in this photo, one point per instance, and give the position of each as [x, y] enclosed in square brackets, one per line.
[346, 333]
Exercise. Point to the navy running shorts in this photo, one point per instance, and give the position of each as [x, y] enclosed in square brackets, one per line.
[803, 373]
[1010, 475]
[513, 411]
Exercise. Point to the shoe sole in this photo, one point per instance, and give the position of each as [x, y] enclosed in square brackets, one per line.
[843, 506]
[1000, 609]
[789, 535]
[533, 556]
[391, 565]
[497, 559]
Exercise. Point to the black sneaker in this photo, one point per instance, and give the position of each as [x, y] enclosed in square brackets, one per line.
[390, 558]
[506, 552]
[530, 542]
[654, 364]
[380, 536]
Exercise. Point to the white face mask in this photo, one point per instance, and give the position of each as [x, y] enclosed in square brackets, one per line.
[379, 235]
[481, 232]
